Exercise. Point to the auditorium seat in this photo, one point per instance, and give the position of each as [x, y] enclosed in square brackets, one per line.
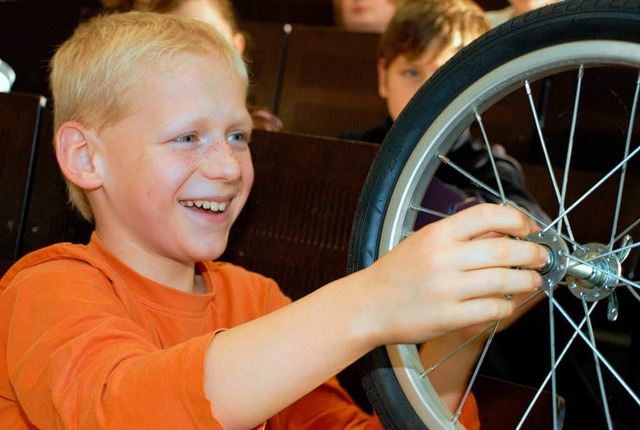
[20, 122]
[265, 53]
[330, 82]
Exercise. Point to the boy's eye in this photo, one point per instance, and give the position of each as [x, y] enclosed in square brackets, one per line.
[238, 137]
[187, 138]
[411, 73]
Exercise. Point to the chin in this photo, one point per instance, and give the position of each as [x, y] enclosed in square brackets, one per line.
[211, 252]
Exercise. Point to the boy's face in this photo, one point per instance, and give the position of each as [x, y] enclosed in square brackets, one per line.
[401, 79]
[365, 15]
[176, 171]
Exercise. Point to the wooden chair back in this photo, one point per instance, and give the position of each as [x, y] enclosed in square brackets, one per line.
[20, 122]
[265, 53]
[330, 83]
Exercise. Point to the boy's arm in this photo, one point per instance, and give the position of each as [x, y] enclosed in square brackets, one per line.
[436, 281]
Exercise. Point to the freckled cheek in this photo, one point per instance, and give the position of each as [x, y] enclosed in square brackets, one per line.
[166, 176]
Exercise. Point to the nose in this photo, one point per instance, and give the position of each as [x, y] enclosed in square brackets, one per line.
[220, 162]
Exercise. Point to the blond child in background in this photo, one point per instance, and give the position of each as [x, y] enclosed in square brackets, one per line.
[141, 328]
[217, 13]
[363, 15]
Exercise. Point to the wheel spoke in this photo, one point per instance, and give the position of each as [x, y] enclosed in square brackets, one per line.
[593, 188]
[476, 336]
[565, 174]
[603, 393]
[558, 360]
[491, 157]
[633, 292]
[545, 152]
[552, 360]
[616, 375]
[627, 230]
[477, 182]
[615, 251]
[623, 171]
[475, 373]
[429, 211]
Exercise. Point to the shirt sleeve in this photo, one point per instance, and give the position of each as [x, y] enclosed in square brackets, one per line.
[77, 360]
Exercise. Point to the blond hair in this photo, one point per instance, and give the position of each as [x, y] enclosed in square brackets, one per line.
[92, 72]
[420, 24]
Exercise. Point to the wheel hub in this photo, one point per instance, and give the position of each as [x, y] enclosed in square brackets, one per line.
[556, 268]
[591, 271]
[595, 281]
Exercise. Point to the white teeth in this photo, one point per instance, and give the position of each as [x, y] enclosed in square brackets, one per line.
[205, 204]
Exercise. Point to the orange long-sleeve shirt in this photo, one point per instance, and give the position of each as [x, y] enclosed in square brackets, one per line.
[89, 343]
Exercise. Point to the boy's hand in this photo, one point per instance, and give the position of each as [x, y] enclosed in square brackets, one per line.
[452, 274]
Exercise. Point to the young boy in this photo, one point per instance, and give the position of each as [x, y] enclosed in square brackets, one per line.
[140, 329]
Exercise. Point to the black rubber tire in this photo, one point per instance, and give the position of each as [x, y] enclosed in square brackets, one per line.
[553, 25]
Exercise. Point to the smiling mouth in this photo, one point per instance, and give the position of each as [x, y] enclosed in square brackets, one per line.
[205, 205]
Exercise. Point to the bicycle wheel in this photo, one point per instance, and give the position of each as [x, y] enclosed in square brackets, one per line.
[559, 87]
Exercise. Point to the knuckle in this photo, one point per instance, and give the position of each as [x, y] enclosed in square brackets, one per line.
[500, 251]
[486, 210]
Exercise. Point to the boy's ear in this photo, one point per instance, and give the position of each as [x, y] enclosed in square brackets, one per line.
[75, 151]
[382, 78]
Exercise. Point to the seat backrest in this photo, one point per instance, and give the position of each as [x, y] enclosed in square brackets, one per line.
[20, 116]
[266, 46]
[314, 12]
[330, 83]
[296, 225]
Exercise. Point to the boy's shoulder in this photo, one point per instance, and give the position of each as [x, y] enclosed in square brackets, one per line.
[65, 256]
